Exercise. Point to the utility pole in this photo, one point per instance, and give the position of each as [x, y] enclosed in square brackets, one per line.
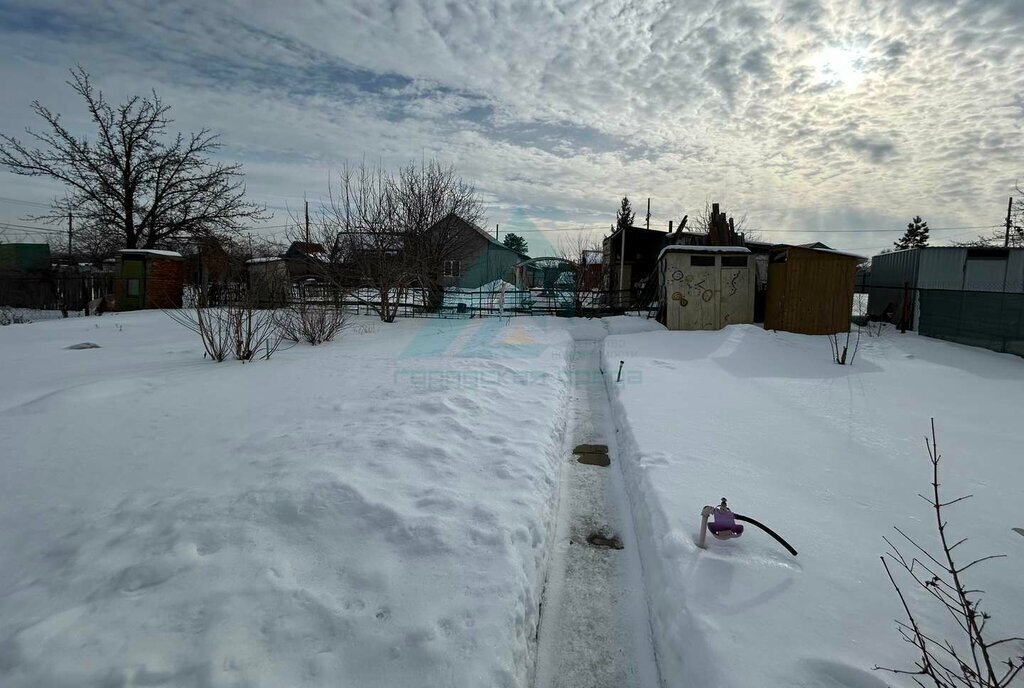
[648, 212]
[69, 238]
[1009, 210]
[622, 259]
[307, 222]
[495, 231]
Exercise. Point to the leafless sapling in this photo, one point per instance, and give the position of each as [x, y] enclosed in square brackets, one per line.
[973, 659]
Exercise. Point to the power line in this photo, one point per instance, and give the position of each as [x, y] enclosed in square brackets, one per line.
[36, 204]
[29, 228]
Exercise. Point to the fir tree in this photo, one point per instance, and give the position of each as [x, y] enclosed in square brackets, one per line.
[624, 216]
[515, 242]
[916, 235]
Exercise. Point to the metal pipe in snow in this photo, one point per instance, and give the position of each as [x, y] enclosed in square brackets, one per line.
[619, 376]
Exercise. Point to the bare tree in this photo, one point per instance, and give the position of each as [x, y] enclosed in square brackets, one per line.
[389, 234]
[972, 660]
[435, 204]
[132, 185]
[584, 253]
[364, 216]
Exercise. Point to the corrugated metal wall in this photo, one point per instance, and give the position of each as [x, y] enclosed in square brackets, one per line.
[972, 296]
[940, 268]
[889, 272]
[1015, 272]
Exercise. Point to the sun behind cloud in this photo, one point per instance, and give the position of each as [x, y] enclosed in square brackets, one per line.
[842, 66]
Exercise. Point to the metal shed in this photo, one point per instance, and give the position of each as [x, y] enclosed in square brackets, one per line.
[705, 287]
[810, 290]
[971, 295]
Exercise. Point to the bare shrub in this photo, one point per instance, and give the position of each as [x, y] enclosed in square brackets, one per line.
[971, 659]
[314, 323]
[9, 317]
[240, 327]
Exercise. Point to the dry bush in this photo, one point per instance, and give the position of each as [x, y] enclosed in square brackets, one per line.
[239, 328]
[9, 317]
[314, 323]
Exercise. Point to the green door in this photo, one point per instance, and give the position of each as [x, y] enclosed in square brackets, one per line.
[133, 272]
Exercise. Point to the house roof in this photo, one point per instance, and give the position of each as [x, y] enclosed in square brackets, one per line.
[818, 247]
[308, 247]
[642, 230]
[173, 255]
[473, 227]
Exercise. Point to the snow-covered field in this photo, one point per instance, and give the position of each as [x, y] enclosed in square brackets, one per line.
[372, 512]
[379, 511]
[832, 458]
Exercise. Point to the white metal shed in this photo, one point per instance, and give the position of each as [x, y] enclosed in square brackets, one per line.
[705, 287]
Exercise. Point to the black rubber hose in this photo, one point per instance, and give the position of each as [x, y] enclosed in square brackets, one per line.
[753, 522]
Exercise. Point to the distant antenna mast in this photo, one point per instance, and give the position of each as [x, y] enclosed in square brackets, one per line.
[648, 212]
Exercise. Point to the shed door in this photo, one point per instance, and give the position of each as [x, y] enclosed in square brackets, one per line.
[701, 293]
[133, 272]
[735, 296]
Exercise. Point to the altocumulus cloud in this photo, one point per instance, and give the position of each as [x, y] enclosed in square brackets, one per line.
[815, 114]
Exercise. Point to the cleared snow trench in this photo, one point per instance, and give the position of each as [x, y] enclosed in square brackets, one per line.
[594, 628]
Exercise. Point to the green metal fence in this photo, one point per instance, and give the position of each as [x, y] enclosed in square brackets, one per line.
[993, 320]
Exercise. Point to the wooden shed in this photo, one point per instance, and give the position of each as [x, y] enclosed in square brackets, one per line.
[810, 290]
[705, 287]
[148, 278]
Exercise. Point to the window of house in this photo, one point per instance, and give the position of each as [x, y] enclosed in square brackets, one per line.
[452, 268]
[734, 261]
[133, 287]
[702, 261]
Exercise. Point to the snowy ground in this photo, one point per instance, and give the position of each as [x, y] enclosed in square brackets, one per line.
[384, 510]
[829, 456]
[371, 512]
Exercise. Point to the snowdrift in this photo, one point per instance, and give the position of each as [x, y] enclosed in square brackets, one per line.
[831, 457]
[370, 512]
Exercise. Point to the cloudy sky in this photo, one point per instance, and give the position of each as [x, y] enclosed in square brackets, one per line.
[813, 118]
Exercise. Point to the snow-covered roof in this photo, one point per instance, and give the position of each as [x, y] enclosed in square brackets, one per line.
[827, 250]
[150, 252]
[702, 249]
[840, 253]
[266, 259]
